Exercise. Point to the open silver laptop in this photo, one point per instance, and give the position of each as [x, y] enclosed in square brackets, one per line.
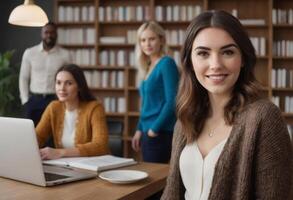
[20, 159]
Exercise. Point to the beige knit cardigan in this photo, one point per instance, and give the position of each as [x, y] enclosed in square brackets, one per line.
[256, 162]
[91, 133]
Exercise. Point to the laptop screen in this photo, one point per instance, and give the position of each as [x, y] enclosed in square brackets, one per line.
[19, 151]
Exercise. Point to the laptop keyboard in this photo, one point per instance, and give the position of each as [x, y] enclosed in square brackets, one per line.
[53, 177]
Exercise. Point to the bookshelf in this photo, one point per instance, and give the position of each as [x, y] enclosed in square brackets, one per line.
[101, 36]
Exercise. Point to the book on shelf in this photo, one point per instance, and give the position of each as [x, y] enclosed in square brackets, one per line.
[253, 21]
[95, 163]
[112, 40]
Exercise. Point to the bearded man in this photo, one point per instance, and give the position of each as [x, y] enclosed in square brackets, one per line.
[38, 68]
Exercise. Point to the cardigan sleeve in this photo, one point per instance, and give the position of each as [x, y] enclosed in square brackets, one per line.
[273, 162]
[139, 126]
[44, 128]
[99, 134]
[174, 189]
[170, 77]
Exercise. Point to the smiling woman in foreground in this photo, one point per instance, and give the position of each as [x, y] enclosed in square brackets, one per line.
[229, 143]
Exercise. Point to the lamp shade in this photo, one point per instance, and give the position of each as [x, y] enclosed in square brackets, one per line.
[28, 14]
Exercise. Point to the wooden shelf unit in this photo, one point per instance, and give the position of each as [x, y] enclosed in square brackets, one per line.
[264, 20]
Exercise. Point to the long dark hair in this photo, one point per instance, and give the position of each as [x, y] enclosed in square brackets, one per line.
[84, 93]
[192, 99]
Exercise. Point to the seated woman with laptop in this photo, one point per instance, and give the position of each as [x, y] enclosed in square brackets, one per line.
[77, 121]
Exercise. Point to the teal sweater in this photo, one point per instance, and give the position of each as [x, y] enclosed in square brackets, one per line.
[158, 93]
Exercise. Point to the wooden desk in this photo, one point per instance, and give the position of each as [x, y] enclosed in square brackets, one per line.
[90, 189]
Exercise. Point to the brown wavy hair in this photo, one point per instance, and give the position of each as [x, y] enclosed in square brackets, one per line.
[192, 99]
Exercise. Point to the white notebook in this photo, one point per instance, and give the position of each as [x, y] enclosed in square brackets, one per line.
[95, 163]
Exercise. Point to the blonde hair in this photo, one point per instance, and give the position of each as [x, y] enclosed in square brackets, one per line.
[142, 61]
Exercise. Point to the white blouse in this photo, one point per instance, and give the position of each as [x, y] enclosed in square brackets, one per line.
[197, 173]
[69, 129]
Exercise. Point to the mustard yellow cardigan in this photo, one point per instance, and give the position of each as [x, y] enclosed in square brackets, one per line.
[91, 133]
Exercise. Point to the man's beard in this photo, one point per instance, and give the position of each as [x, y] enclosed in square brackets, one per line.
[49, 43]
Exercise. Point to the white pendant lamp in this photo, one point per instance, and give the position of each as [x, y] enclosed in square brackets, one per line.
[28, 14]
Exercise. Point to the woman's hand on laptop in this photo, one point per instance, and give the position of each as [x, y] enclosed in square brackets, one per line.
[48, 153]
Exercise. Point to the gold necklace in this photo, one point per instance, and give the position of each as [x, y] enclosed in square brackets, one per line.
[210, 134]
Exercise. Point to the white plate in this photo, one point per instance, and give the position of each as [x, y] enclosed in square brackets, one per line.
[123, 176]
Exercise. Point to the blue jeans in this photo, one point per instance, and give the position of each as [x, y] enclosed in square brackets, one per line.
[157, 149]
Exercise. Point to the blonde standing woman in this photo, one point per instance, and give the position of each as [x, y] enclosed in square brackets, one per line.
[158, 81]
